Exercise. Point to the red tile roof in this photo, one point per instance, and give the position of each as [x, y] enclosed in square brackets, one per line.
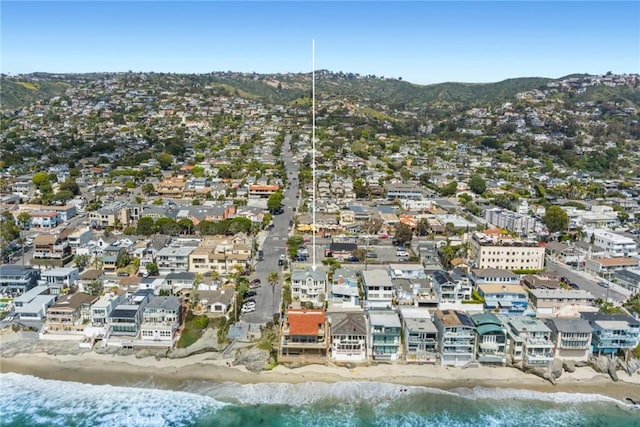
[305, 321]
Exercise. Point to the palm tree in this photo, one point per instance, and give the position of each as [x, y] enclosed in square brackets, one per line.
[273, 278]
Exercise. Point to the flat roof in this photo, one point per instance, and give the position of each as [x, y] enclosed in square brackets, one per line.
[384, 318]
[561, 293]
[420, 325]
[495, 288]
[31, 294]
[36, 304]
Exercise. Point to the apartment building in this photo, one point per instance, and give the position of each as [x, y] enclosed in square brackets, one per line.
[612, 333]
[506, 253]
[561, 302]
[509, 220]
[529, 340]
[504, 299]
[614, 244]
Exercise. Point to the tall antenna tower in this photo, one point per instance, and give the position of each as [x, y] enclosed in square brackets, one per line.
[313, 150]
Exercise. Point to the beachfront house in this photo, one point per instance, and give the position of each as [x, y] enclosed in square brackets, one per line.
[160, 321]
[344, 289]
[612, 333]
[125, 319]
[456, 336]
[102, 308]
[309, 285]
[491, 338]
[572, 338]
[348, 337]
[18, 279]
[385, 330]
[304, 336]
[33, 304]
[68, 315]
[217, 301]
[420, 336]
[378, 289]
[529, 340]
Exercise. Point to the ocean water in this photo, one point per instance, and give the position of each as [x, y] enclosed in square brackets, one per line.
[30, 401]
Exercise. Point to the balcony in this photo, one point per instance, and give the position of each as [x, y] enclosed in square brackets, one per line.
[489, 346]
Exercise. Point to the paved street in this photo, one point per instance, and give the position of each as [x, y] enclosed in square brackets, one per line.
[268, 299]
[584, 281]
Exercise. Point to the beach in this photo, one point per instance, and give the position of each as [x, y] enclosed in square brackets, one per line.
[172, 374]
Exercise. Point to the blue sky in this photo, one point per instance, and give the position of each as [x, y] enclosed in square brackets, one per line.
[422, 41]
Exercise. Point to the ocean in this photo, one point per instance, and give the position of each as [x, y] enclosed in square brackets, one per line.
[29, 401]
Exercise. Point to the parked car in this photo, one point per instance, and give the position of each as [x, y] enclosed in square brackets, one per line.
[353, 259]
[250, 294]
[247, 309]
[372, 255]
[255, 282]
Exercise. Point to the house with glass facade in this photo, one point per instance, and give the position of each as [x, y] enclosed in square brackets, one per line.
[385, 330]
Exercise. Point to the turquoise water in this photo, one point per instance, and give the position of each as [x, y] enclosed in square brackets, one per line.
[30, 401]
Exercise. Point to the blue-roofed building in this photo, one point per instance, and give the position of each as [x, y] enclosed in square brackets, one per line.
[504, 299]
[344, 289]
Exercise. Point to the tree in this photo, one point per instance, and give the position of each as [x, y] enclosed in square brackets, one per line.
[40, 178]
[70, 185]
[95, 288]
[273, 278]
[556, 219]
[360, 188]
[147, 188]
[165, 160]
[423, 227]
[146, 226]
[186, 225]
[403, 234]
[274, 203]
[167, 226]
[152, 269]
[477, 184]
[82, 261]
[24, 220]
[449, 189]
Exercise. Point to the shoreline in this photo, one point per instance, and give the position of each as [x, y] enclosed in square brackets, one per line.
[177, 374]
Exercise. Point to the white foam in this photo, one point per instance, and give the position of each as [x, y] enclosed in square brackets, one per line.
[312, 392]
[522, 394]
[52, 402]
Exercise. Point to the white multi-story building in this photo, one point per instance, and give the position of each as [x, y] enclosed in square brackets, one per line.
[160, 321]
[456, 336]
[614, 244]
[348, 337]
[309, 285]
[378, 288]
[512, 221]
[505, 252]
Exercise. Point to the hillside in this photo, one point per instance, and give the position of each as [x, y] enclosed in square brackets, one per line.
[17, 93]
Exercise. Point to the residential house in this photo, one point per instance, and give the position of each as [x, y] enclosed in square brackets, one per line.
[606, 267]
[407, 271]
[52, 249]
[112, 254]
[504, 299]
[378, 289]
[60, 278]
[78, 238]
[68, 315]
[612, 333]
[572, 338]
[33, 304]
[304, 336]
[529, 340]
[561, 302]
[309, 285]
[348, 337]
[491, 338]
[341, 251]
[628, 278]
[420, 337]
[385, 331]
[448, 289]
[456, 336]
[217, 302]
[102, 308]
[125, 318]
[18, 279]
[493, 276]
[344, 289]
[179, 282]
[174, 259]
[160, 321]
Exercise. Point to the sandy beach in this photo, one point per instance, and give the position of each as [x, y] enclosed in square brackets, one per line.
[94, 368]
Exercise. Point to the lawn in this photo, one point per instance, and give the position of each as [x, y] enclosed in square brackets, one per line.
[193, 329]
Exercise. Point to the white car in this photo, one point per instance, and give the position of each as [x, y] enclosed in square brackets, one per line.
[247, 310]
[401, 252]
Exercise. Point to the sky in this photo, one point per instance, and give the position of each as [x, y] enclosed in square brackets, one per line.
[422, 42]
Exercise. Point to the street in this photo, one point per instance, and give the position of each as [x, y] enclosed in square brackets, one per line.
[583, 281]
[268, 298]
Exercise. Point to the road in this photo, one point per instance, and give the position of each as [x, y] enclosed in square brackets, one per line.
[268, 298]
[581, 279]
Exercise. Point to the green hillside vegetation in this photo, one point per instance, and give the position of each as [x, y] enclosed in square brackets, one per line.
[625, 95]
[14, 93]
